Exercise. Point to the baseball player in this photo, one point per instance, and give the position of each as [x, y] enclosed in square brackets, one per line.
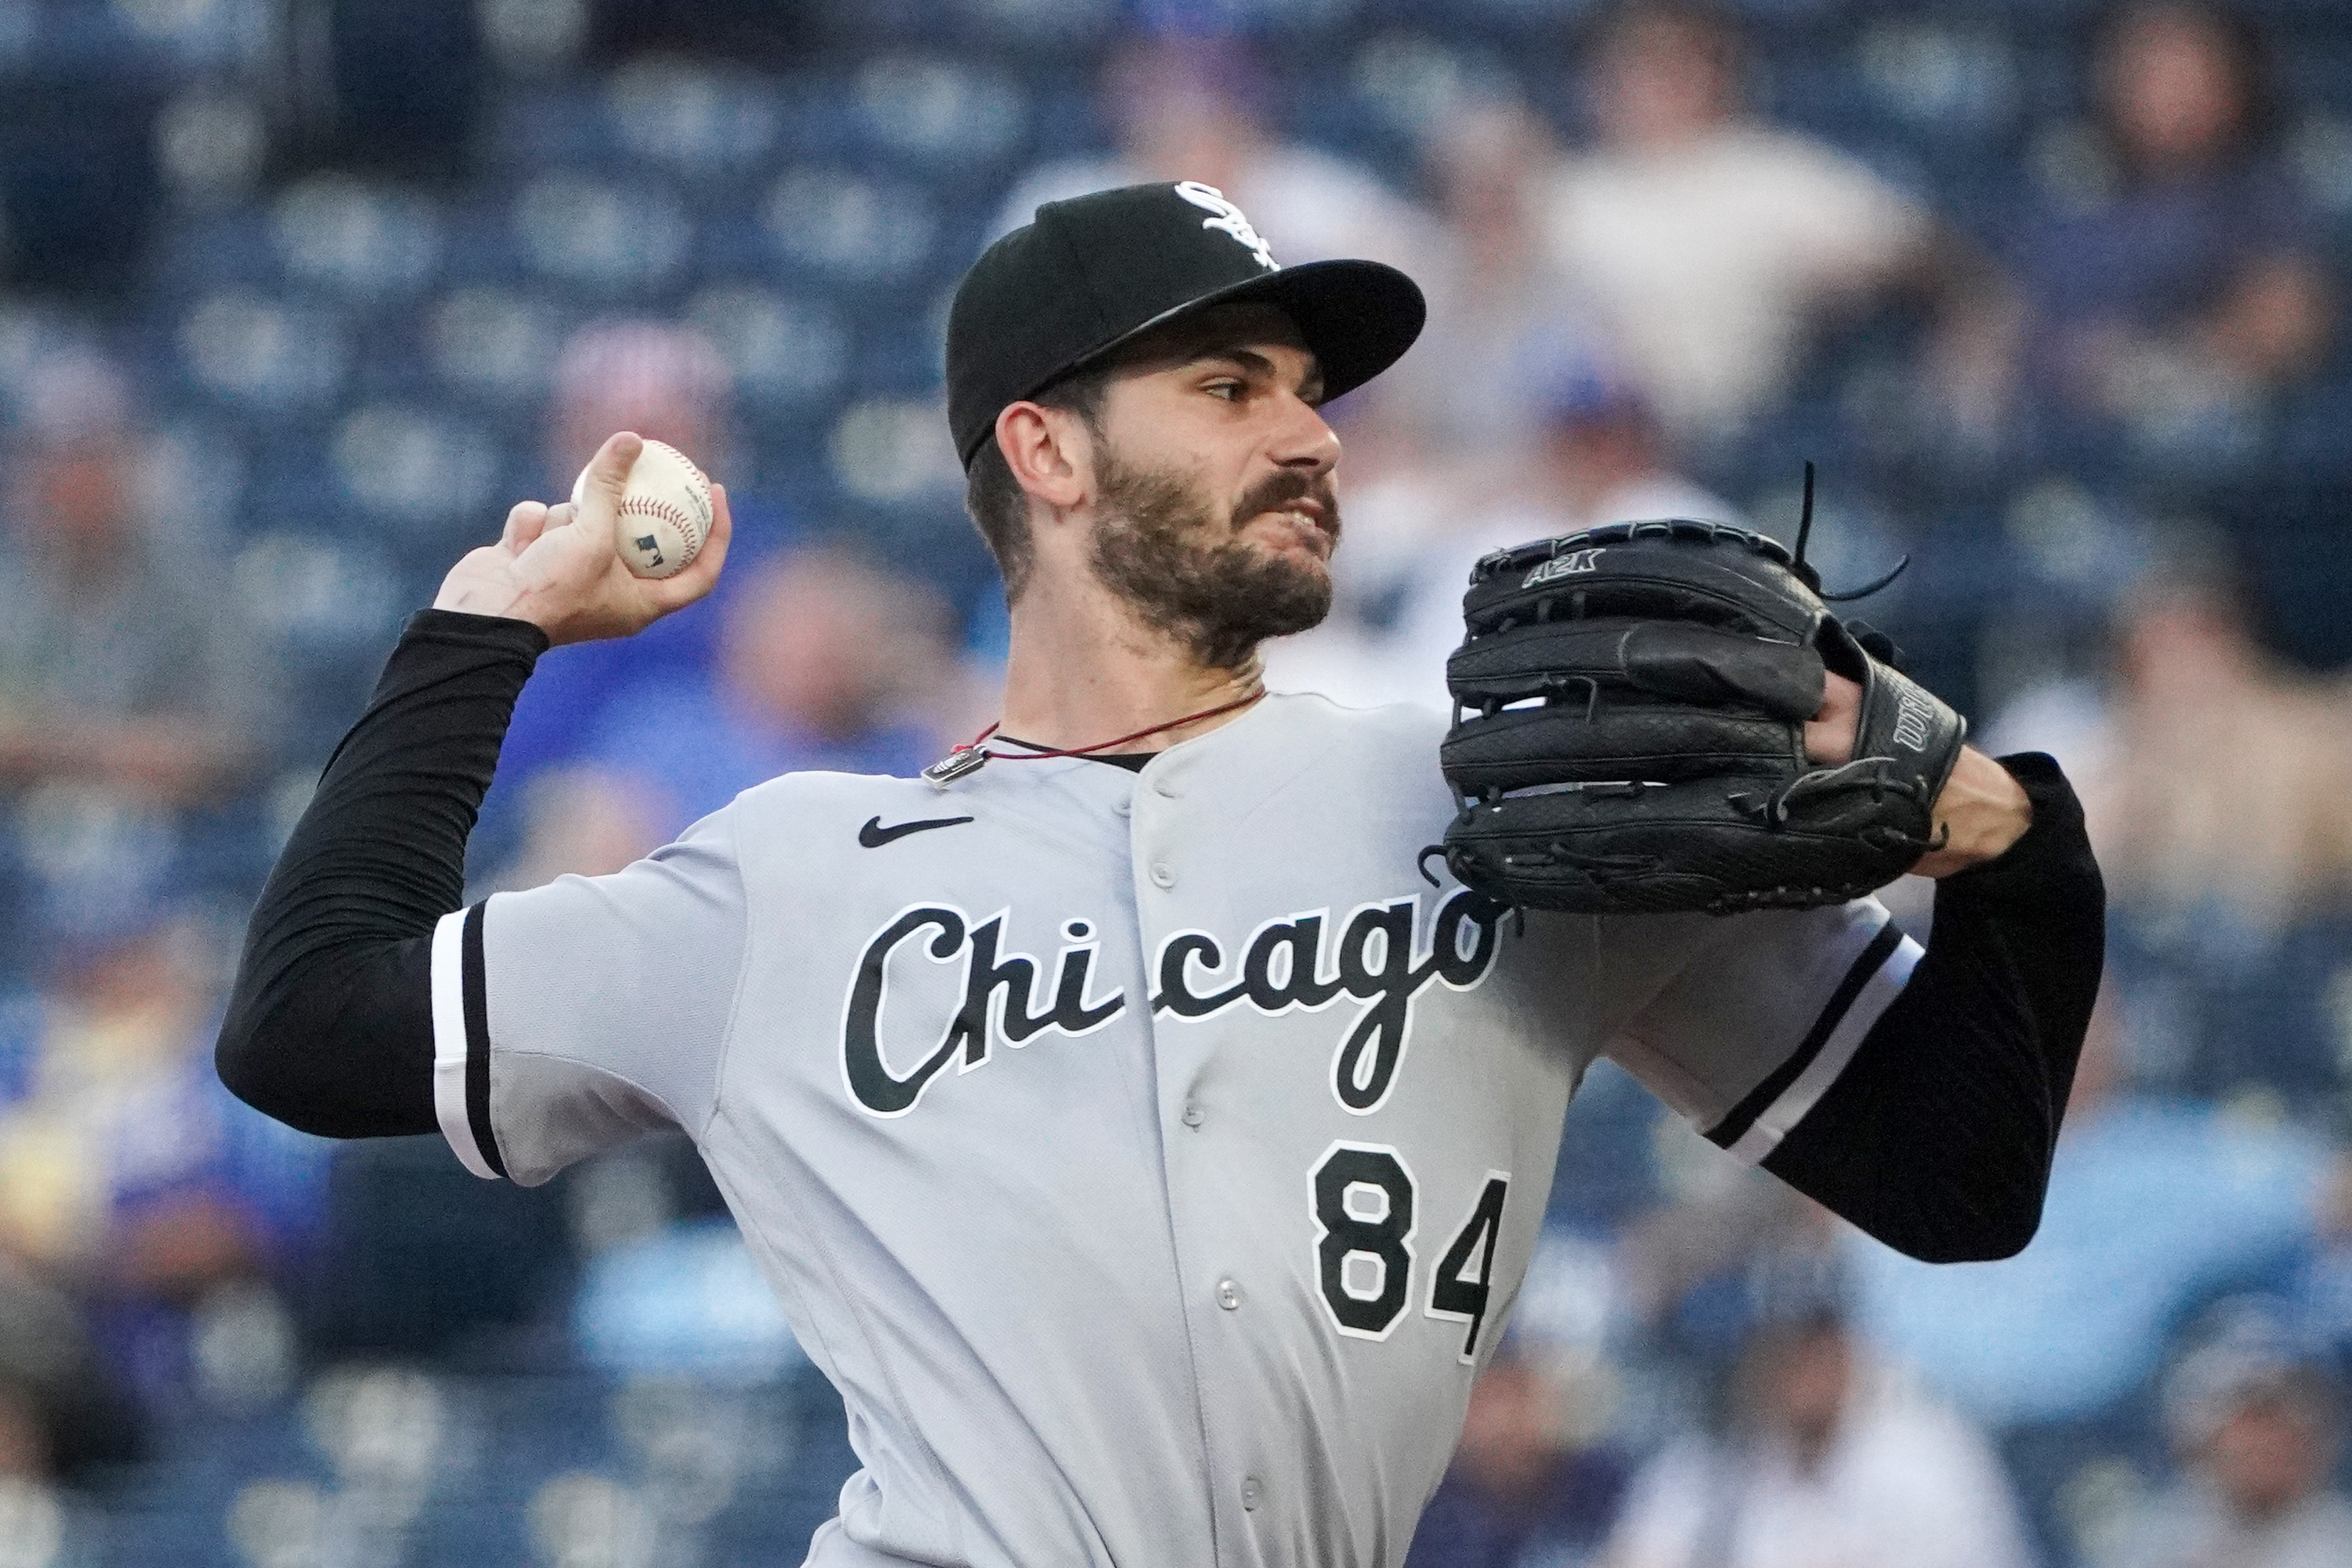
[1146, 1151]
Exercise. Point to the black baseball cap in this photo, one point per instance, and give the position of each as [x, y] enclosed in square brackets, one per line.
[1091, 273]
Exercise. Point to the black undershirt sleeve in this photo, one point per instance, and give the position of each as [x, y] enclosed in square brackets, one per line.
[329, 1025]
[1938, 1138]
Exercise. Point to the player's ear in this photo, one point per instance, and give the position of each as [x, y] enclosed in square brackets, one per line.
[1048, 451]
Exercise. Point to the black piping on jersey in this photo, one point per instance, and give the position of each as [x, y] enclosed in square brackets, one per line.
[476, 992]
[1761, 1098]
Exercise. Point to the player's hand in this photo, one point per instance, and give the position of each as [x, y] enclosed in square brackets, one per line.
[563, 573]
[1981, 811]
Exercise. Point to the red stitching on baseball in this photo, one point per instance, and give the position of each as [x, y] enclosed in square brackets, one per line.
[643, 506]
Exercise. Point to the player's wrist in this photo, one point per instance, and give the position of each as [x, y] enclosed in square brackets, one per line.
[1981, 813]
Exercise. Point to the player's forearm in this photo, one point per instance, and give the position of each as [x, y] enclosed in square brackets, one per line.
[1938, 1136]
[329, 1025]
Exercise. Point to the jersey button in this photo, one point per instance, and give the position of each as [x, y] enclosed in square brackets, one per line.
[1192, 1113]
[1229, 1295]
[1162, 875]
[1252, 1493]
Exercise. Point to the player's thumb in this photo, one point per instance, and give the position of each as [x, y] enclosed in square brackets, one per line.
[597, 494]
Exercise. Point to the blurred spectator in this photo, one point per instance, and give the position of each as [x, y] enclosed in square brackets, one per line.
[421, 1258]
[684, 1299]
[2155, 1207]
[1598, 457]
[661, 381]
[665, 381]
[2182, 815]
[1729, 1240]
[1714, 245]
[2172, 271]
[60, 1413]
[2321, 1293]
[126, 1169]
[825, 662]
[2209, 771]
[118, 664]
[1200, 108]
[1522, 1493]
[1455, 400]
[2258, 1430]
[1825, 1459]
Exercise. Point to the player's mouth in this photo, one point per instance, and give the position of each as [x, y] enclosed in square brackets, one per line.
[1305, 524]
[1310, 517]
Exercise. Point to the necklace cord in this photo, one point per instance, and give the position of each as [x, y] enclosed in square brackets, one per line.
[976, 741]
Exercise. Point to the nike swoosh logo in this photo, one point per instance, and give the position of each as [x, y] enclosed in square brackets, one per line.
[874, 835]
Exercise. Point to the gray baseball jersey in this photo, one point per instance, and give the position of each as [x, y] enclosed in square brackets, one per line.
[1148, 1158]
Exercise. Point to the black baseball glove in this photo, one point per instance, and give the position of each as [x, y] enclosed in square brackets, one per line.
[1629, 730]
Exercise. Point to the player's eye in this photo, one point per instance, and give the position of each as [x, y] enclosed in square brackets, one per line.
[1228, 388]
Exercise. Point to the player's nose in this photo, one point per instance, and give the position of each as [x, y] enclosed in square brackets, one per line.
[1303, 438]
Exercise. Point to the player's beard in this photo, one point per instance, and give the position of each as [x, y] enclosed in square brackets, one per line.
[1185, 571]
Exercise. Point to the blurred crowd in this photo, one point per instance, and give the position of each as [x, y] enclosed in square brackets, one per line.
[2055, 297]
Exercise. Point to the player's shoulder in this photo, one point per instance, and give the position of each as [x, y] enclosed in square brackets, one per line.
[799, 794]
[807, 819]
[1314, 719]
[1334, 762]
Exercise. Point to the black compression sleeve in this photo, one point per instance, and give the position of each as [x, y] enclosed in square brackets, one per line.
[1938, 1138]
[330, 1027]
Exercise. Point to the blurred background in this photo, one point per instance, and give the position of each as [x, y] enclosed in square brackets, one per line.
[296, 296]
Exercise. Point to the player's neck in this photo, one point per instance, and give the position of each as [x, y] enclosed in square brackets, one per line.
[1083, 670]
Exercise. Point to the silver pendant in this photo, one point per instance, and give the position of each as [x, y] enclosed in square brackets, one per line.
[955, 765]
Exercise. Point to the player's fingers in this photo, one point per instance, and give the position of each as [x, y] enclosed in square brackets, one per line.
[591, 548]
[569, 561]
[674, 592]
[1829, 734]
[524, 524]
[598, 493]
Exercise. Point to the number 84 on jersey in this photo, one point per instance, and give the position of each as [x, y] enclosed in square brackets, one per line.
[1365, 1207]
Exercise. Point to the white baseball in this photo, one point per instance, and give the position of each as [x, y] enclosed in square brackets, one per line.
[665, 511]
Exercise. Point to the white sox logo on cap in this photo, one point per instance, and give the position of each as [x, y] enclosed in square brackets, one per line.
[1227, 219]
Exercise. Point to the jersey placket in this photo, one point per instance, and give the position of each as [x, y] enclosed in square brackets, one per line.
[1215, 1299]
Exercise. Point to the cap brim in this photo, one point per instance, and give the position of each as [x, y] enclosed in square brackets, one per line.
[1358, 318]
